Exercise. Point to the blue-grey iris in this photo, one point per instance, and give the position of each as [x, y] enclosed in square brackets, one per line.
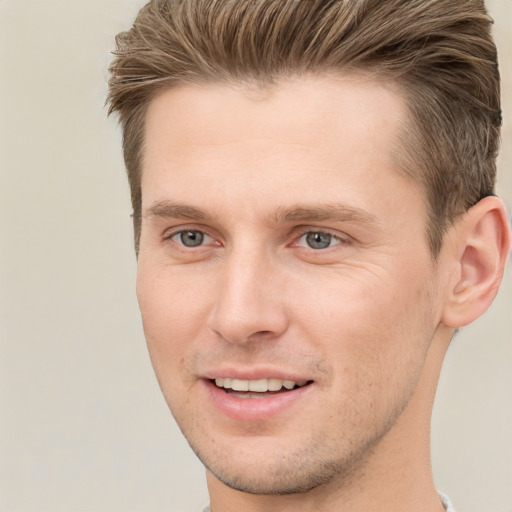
[317, 240]
[191, 238]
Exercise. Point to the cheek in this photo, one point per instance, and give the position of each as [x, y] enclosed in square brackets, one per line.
[173, 315]
[167, 298]
[376, 344]
[372, 325]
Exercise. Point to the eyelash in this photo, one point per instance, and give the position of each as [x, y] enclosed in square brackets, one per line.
[319, 237]
[181, 232]
[338, 240]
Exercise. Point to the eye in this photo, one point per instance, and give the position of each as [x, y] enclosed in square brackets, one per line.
[318, 240]
[190, 238]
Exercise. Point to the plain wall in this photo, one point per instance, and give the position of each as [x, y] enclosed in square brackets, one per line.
[83, 426]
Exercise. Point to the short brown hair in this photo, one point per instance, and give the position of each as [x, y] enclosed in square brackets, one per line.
[440, 54]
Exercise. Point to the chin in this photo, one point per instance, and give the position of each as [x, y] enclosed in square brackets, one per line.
[283, 474]
[275, 484]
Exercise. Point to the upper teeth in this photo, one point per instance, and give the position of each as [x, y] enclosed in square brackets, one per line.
[261, 385]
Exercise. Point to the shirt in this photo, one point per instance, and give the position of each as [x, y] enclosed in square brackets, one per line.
[446, 503]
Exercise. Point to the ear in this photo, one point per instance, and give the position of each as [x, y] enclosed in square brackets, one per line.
[481, 245]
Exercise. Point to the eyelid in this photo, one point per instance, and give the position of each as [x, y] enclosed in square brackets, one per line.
[170, 233]
[334, 238]
[213, 235]
[302, 231]
[206, 238]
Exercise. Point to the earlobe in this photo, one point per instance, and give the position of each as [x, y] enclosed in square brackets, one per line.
[482, 245]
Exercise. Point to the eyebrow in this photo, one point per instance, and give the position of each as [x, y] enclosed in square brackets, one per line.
[299, 213]
[171, 210]
[328, 212]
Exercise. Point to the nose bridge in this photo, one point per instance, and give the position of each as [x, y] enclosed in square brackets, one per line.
[248, 302]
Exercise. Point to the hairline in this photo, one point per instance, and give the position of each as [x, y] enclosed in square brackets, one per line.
[398, 151]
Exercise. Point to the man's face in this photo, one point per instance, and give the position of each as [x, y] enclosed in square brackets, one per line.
[281, 247]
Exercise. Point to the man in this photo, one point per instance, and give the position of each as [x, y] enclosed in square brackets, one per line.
[312, 184]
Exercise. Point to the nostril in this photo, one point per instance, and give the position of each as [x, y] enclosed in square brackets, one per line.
[259, 335]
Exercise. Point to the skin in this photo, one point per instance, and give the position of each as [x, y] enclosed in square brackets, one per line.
[363, 320]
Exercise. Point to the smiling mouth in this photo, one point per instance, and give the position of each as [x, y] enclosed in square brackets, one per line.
[257, 388]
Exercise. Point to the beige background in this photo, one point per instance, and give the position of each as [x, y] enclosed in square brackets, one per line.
[82, 424]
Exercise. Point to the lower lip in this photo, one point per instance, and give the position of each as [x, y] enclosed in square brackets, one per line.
[254, 409]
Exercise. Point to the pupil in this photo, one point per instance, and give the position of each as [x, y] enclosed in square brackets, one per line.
[192, 238]
[318, 240]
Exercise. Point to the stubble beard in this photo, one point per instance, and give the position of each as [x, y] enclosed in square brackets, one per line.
[297, 473]
[319, 465]
[320, 462]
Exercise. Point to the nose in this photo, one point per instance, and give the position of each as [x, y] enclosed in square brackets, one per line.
[249, 303]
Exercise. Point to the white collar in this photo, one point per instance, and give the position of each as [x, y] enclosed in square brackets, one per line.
[446, 503]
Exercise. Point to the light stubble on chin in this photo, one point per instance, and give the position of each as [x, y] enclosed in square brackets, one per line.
[289, 478]
[307, 469]
[322, 459]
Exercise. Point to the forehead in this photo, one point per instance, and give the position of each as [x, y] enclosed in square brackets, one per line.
[305, 109]
[314, 139]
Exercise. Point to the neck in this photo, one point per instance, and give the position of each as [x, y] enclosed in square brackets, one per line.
[395, 476]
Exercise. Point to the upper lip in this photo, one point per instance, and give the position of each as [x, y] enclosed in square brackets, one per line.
[254, 374]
